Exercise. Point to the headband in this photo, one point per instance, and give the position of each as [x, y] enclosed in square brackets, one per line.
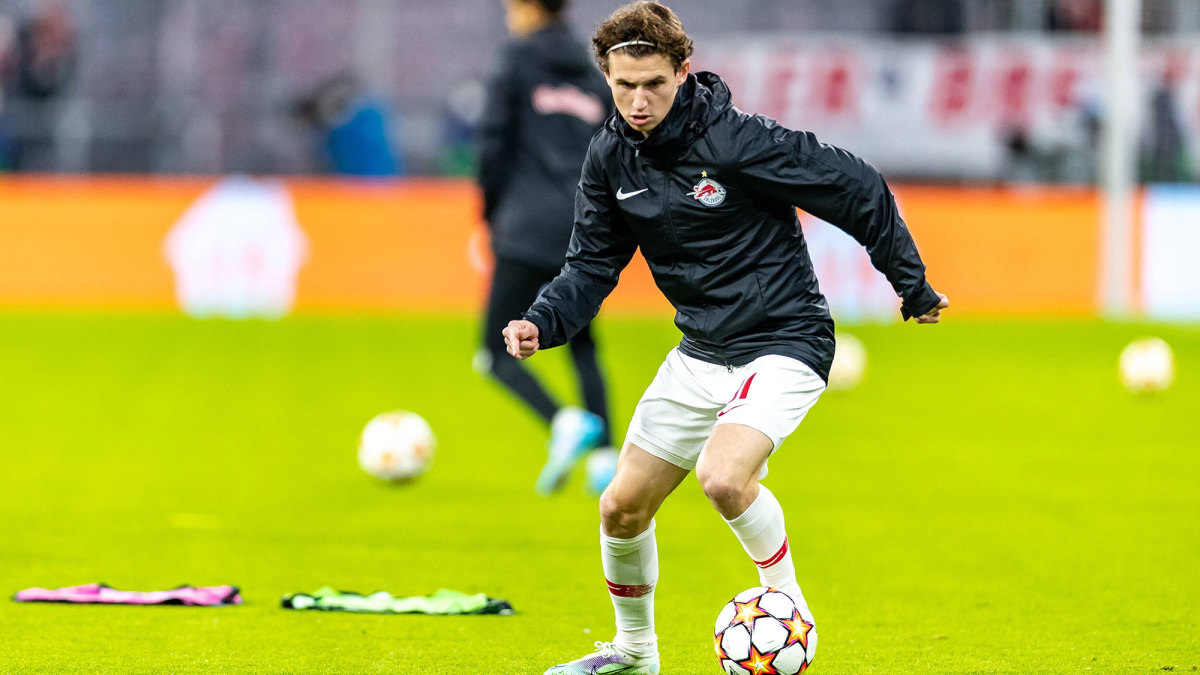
[629, 44]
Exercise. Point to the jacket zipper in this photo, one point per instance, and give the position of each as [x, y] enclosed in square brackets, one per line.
[667, 206]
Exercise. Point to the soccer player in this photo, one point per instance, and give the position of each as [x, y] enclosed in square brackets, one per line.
[708, 194]
[544, 101]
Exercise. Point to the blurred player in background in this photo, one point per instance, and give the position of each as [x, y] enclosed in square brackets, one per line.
[545, 99]
[707, 192]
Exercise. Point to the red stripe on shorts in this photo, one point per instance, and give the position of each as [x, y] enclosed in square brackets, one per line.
[746, 389]
[623, 591]
[775, 558]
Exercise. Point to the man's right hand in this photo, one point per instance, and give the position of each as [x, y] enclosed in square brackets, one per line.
[521, 338]
[934, 315]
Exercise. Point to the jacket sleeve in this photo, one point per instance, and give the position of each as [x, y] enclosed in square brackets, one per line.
[497, 130]
[837, 187]
[601, 246]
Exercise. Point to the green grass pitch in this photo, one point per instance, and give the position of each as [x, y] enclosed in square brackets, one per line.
[989, 500]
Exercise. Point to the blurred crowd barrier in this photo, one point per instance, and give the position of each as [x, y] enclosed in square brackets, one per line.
[996, 90]
[242, 247]
[993, 107]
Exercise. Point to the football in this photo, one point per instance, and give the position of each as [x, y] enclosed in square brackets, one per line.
[761, 631]
[396, 446]
[1146, 365]
[849, 363]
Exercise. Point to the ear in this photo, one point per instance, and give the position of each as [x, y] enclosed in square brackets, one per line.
[682, 73]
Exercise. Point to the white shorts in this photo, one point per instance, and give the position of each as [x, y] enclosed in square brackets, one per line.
[688, 397]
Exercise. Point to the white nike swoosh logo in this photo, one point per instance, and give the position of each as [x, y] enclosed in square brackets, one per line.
[626, 195]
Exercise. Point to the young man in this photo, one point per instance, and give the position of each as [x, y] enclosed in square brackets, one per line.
[708, 193]
[544, 102]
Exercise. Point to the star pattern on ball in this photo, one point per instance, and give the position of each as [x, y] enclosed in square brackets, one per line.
[758, 663]
[718, 648]
[798, 629]
[746, 612]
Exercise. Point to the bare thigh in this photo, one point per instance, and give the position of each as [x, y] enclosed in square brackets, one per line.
[729, 467]
[638, 489]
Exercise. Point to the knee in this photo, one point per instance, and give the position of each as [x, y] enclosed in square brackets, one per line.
[582, 348]
[622, 518]
[727, 492]
[484, 360]
[492, 359]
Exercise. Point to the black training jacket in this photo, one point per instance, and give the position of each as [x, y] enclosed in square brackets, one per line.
[544, 100]
[709, 198]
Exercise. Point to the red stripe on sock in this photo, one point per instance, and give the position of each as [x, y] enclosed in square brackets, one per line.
[775, 558]
[623, 591]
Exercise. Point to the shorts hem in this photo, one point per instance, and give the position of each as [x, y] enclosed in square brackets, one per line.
[660, 449]
[772, 435]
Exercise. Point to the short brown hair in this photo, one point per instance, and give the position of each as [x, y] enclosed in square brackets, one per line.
[643, 21]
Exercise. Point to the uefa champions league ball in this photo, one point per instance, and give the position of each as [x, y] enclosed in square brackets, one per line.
[849, 363]
[761, 631]
[396, 446]
[1146, 365]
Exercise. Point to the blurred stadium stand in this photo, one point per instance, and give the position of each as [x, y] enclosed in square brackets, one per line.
[221, 86]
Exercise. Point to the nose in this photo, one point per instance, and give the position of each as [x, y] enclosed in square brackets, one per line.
[640, 99]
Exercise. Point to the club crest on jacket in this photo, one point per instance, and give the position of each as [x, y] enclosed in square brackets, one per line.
[708, 191]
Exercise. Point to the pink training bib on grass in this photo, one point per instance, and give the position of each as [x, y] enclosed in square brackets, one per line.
[203, 596]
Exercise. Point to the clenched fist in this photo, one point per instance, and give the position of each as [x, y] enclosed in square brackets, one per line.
[521, 337]
[934, 315]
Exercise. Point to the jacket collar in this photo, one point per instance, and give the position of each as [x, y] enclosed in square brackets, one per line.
[700, 100]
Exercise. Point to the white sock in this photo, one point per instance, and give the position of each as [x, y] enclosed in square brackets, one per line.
[631, 568]
[761, 531]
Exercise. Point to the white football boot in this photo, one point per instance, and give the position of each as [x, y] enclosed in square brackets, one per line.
[608, 660]
[601, 466]
[573, 432]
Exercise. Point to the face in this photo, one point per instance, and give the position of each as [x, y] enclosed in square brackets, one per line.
[644, 88]
[522, 16]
